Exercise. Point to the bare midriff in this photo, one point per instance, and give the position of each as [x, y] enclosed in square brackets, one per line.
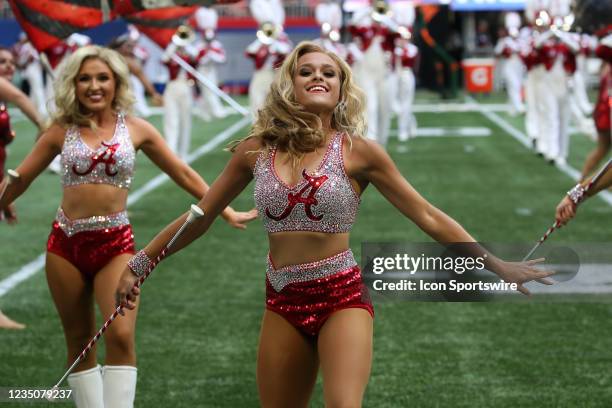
[88, 200]
[296, 247]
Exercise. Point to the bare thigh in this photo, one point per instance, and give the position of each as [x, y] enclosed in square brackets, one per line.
[287, 364]
[73, 298]
[345, 352]
[119, 337]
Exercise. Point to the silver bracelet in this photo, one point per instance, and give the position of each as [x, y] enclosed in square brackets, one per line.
[576, 194]
[140, 263]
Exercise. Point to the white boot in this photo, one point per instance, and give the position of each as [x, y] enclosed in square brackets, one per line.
[119, 386]
[87, 388]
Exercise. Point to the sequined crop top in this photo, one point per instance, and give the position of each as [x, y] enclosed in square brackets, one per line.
[111, 163]
[324, 201]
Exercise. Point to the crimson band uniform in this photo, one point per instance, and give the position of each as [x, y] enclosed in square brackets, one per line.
[210, 54]
[376, 43]
[29, 59]
[404, 59]
[266, 57]
[559, 61]
[140, 54]
[508, 49]
[178, 101]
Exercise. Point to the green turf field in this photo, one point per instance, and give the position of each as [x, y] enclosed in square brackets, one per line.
[200, 312]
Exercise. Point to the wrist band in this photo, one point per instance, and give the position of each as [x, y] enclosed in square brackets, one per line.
[140, 263]
[576, 194]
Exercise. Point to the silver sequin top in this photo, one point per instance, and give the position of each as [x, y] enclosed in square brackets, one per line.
[112, 163]
[323, 201]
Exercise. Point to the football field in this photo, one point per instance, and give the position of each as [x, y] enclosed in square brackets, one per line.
[199, 318]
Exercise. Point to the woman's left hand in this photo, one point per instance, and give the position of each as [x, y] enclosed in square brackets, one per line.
[523, 272]
[239, 219]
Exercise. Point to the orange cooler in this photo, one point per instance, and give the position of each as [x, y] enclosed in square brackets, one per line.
[478, 74]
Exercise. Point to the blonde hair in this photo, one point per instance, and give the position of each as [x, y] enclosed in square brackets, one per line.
[284, 123]
[68, 111]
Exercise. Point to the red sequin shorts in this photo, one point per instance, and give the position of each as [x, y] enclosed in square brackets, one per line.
[307, 294]
[90, 243]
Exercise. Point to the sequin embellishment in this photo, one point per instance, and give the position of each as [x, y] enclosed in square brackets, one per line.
[323, 201]
[112, 163]
[279, 278]
[98, 222]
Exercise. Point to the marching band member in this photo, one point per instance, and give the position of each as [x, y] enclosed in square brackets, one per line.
[134, 56]
[28, 61]
[372, 32]
[268, 51]
[210, 54]
[538, 17]
[508, 49]
[557, 52]
[580, 106]
[405, 55]
[329, 16]
[178, 95]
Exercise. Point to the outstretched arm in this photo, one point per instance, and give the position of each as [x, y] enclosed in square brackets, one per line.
[46, 148]
[12, 94]
[234, 178]
[369, 162]
[154, 146]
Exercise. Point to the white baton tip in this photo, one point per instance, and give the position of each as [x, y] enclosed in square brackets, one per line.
[13, 175]
[195, 212]
[50, 394]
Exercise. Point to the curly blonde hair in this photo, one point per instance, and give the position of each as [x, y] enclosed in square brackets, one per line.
[284, 123]
[68, 111]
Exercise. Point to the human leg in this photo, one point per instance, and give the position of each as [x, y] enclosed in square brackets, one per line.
[287, 364]
[72, 295]
[119, 373]
[345, 352]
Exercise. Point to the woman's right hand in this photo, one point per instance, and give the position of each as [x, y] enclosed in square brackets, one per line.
[522, 272]
[126, 293]
[9, 214]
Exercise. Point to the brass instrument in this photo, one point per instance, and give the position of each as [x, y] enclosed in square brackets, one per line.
[267, 33]
[543, 19]
[183, 36]
[328, 31]
[380, 10]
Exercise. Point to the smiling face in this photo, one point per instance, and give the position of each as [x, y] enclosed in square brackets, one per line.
[95, 85]
[7, 64]
[317, 83]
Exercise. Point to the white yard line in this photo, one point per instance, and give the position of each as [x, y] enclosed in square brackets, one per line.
[31, 268]
[524, 140]
[449, 131]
